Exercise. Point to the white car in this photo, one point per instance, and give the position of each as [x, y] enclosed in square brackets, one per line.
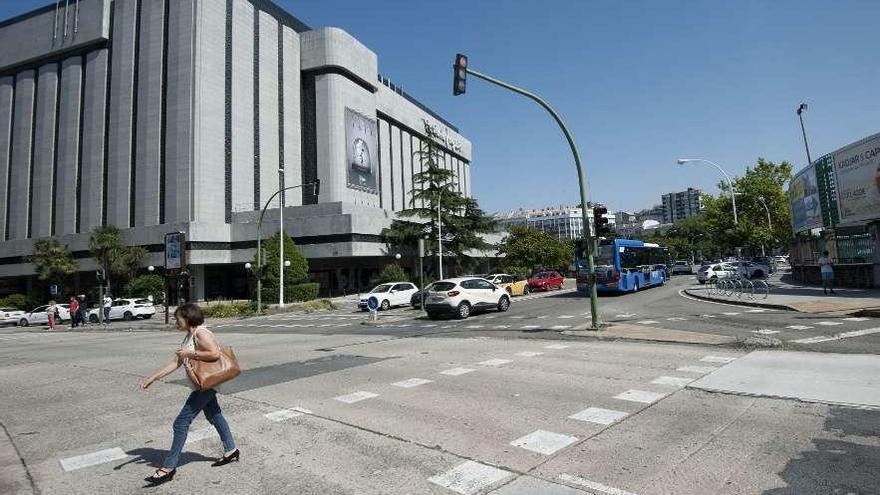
[40, 316]
[782, 260]
[461, 297]
[713, 272]
[681, 267]
[125, 309]
[389, 295]
[10, 316]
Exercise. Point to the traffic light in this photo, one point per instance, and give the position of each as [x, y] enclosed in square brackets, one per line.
[459, 74]
[600, 223]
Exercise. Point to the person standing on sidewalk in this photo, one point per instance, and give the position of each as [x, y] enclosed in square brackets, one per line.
[108, 302]
[50, 314]
[826, 268]
[200, 345]
[74, 312]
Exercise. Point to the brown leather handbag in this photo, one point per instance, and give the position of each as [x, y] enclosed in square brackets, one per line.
[207, 375]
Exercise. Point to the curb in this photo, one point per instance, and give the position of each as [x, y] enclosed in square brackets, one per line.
[752, 304]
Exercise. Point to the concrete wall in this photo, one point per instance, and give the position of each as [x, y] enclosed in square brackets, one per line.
[292, 136]
[91, 200]
[268, 102]
[68, 163]
[44, 151]
[242, 106]
[179, 111]
[7, 92]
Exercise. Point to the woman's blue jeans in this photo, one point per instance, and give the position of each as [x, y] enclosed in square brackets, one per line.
[197, 402]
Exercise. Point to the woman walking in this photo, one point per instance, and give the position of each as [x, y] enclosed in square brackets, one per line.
[199, 345]
[50, 314]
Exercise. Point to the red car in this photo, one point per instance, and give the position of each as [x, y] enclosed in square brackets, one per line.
[546, 281]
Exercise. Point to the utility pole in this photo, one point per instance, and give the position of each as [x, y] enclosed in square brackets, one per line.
[460, 72]
[281, 239]
[800, 110]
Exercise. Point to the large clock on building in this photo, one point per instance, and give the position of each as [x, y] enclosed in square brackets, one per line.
[362, 151]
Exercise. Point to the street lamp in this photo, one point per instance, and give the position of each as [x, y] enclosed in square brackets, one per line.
[769, 221]
[281, 262]
[682, 161]
[800, 110]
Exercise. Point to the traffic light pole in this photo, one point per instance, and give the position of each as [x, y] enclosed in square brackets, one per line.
[590, 240]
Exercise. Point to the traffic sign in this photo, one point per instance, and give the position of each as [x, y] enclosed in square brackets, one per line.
[372, 303]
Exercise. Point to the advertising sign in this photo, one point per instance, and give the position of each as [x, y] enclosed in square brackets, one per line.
[174, 247]
[857, 178]
[362, 151]
[803, 197]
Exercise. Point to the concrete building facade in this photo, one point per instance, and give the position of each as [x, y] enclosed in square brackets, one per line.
[160, 116]
[680, 205]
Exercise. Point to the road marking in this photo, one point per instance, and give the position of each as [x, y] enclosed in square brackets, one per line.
[517, 317]
[470, 478]
[285, 414]
[490, 317]
[565, 317]
[707, 316]
[626, 316]
[200, 434]
[529, 327]
[93, 459]
[839, 336]
[543, 317]
[640, 396]
[856, 319]
[475, 326]
[799, 327]
[544, 442]
[599, 416]
[356, 397]
[676, 318]
[697, 369]
[718, 359]
[429, 326]
[675, 381]
[456, 371]
[730, 314]
[829, 323]
[755, 310]
[765, 331]
[503, 327]
[560, 327]
[448, 326]
[529, 353]
[647, 322]
[495, 362]
[412, 382]
[407, 325]
[592, 485]
[556, 346]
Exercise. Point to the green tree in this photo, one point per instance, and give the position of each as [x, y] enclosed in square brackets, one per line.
[118, 261]
[296, 273]
[52, 260]
[147, 285]
[463, 222]
[391, 273]
[526, 250]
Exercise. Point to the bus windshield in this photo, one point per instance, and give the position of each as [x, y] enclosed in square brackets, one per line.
[605, 256]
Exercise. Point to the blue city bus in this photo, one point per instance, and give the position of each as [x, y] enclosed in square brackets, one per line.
[622, 265]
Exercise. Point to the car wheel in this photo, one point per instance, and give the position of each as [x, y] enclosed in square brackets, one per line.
[93, 318]
[432, 315]
[385, 305]
[127, 316]
[713, 279]
[758, 274]
[702, 282]
[526, 290]
[509, 291]
[23, 322]
[364, 310]
[464, 310]
[147, 317]
[504, 304]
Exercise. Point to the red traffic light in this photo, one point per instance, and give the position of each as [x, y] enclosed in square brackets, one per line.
[461, 61]
[459, 75]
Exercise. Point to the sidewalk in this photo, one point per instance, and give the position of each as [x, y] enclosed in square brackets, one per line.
[803, 298]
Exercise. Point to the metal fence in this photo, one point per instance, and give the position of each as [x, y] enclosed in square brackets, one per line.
[856, 248]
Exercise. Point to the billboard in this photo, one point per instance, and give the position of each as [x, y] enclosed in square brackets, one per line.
[174, 251]
[362, 151]
[803, 198]
[857, 178]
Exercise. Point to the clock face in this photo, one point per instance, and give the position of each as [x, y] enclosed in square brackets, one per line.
[361, 160]
[361, 136]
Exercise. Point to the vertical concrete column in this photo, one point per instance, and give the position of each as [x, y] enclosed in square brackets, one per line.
[197, 272]
[68, 150]
[407, 158]
[122, 109]
[242, 105]
[22, 139]
[94, 119]
[209, 163]
[7, 95]
[179, 110]
[874, 230]
[292, 115]
[149, 113]
[44, 151]
[397, 170]
[385, 165]
[268, 101]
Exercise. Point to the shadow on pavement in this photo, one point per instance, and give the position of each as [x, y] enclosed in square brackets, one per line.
[838, 466]
[153, 458]
[816, 291]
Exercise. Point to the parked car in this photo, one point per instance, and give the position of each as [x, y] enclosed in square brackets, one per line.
[757, 270]
[416, 300]
[768, 261]
[782, 260]
[546, 281]
[711, 273]
[10, 316]
[40, 316]
[515, 285]
[462, 297]
[681, 267]
[389, 295]
[125, 308]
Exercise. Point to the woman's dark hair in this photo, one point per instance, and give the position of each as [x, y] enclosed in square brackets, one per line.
[191, 314]
[825, 253]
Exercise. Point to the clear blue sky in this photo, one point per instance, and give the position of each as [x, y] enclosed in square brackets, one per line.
[640, 84]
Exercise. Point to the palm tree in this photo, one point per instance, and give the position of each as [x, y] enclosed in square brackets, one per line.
[112, 255]
[52, 260]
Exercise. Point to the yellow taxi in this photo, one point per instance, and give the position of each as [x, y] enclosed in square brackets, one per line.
[515, 285]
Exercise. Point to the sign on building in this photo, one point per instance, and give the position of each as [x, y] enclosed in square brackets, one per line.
[362, 151]
[174, 248]
[857, 179]
[803, 197]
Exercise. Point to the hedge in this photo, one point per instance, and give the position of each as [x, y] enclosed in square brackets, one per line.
[303, 292]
